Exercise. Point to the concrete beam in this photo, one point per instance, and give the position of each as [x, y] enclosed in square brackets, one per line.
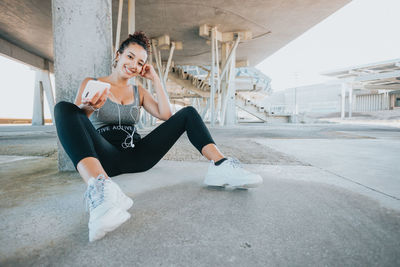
[378, 76]
[23, 56]
[379, 87]
[173, 76]
[242, 63]
[163, 42]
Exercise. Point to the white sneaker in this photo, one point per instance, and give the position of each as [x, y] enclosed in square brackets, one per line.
[231, 173]
[124, 201]
[105, 216]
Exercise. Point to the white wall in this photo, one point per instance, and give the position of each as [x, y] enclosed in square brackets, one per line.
[318, 98]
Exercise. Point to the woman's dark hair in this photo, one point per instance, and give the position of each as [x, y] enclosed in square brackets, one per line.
[139, 38]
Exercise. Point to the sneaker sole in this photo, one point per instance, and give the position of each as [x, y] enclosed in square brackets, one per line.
[127, 203]
[112, 220]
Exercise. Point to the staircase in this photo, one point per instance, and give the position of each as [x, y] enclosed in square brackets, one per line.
[258, 111]
[202, 89]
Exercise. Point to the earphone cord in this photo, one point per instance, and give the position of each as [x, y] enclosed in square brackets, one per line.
[129, 136]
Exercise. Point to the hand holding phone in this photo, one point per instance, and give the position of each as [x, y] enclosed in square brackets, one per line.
[93, 87]
[95, 94]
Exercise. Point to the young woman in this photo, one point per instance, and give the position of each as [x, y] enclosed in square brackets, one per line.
[99, 135]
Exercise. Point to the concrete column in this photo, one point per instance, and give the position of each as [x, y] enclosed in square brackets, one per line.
[131, 16]
[373, 102]
[350, 86]
[150, 85]
[42, 88]
[230, 118]
[118, 33]
[354, 101]
[343, 98]
[205, 105]
[38, 113]
[387, 99]
[383, 101]
[380, 98]
[392, 97]
[48, 89]
[364, 103]
[379, 102]
[82, 32]
[225, 48]
[212, 78]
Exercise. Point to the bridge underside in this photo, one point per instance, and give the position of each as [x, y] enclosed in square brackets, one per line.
[76, 39]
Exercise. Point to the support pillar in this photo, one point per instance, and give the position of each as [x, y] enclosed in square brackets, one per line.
[212, 79]
[350, 86]
[38, 110]
[171, 53]
[131, 16]
[225, 48]
[230, 117]
[150, 86]
[118, 33]
[82, 48]
[343, 100]
[42, 88]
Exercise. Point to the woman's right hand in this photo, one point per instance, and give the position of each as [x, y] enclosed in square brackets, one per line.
[97, 100]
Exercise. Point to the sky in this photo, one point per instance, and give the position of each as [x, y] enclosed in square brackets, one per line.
[364, 31]
[17, 83]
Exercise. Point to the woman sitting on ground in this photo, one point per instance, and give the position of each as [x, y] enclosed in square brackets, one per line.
[99, 135]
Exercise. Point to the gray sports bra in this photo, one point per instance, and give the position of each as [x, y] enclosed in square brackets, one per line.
[109, 114]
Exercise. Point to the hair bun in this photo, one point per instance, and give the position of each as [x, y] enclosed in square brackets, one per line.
[141, 39]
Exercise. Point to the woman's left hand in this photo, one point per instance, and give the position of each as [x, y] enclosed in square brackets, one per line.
[148, 72]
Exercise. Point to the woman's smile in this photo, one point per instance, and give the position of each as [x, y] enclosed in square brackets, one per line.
[129, 71]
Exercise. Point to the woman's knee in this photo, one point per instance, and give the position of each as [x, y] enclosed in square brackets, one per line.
[189, 110]
[63, 106]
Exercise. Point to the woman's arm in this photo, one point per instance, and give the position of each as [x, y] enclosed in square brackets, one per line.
[161, 108]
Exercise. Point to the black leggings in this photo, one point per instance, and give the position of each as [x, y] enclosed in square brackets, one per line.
[80, 139]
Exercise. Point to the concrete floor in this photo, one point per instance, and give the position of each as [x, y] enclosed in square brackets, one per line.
[331, 196]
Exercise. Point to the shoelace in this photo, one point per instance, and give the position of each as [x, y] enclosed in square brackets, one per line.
[96, 189]
[234, 162]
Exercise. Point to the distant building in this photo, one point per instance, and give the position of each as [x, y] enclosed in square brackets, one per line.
[365, 88]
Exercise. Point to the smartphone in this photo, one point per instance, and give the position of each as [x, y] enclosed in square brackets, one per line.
[92, 87]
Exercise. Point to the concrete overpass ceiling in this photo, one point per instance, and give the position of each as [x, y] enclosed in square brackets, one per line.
[285, 19]
[27, 24]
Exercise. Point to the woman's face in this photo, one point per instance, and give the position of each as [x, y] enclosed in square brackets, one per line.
[131, 61]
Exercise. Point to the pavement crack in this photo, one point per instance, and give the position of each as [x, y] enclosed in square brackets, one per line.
[355, 182]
